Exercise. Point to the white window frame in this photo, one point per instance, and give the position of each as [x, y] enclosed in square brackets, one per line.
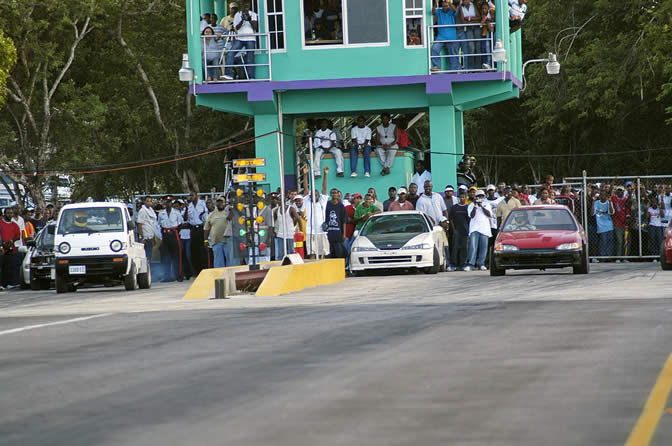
[271, 34]
[423, 26]
[344, 6]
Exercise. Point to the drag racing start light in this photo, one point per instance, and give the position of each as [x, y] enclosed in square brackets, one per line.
[249, 162]
[262, 246]
[249, 177]
[242, 246]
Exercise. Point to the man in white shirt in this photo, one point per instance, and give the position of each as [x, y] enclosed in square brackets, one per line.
[146, 222]
[361, 142]
[421, 175]
[205, 21]
[432, 204]
[197, 214]
[386, 143]
[317, 243]
[325, 140]
[479, 232]
[170, 221]
[246, 24]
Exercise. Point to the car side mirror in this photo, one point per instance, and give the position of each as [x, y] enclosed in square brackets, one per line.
[30, 243]
[355, 234]
[130, 225]
[51, 229]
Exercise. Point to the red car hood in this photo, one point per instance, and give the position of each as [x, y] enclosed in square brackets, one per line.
[538, 239]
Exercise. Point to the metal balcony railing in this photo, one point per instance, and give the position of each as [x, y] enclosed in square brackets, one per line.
[226, 59]
[471, 51]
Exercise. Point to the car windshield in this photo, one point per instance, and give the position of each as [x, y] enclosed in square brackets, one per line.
[46, 240]
[539, 220]
[90, 220]
[395, 224]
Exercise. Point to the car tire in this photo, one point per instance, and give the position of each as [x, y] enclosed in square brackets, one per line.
[131, 279]
[45, 284]
[495, 272]
[145, 279]
[61, 285]
[358, 273]
[664, 264]
[584, 267]
[437, 264]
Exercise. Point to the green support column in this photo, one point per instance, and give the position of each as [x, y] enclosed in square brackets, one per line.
[207, 6]
[194, 39]
[220, 9]
[446, 137]
[289, 128]
[267, 147]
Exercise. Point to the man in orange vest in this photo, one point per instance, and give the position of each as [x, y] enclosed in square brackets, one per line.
[29, 229]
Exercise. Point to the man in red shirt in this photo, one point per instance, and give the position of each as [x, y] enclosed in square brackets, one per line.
[10, 265]
[350, 225]
[620, 218]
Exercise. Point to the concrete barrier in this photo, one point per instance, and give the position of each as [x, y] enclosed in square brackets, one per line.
[204, 285]
[290, 278]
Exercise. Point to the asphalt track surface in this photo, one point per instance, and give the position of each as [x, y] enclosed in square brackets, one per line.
[453, 359]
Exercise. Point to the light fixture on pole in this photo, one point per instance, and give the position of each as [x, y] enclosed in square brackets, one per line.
[186, 73]
[552, 66]
[499, 53]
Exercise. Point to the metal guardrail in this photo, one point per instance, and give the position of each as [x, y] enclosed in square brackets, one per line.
[474, 60]
[215, 57]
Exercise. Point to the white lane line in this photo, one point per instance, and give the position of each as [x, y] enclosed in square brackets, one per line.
[67, 321]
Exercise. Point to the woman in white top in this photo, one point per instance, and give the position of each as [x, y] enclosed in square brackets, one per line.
[284, 231]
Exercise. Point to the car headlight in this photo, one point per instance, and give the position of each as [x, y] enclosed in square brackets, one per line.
[116, 245]
[64, 248]
[499, 247]
[569, 246]
[418, 246]
[363, 249]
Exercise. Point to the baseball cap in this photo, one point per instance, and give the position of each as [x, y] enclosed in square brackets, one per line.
[357, 195]
[491, 187]
[628, 183]
[480, 192]
[620, 188]
[449, 187]
[168, 197]
[233, 5]
[402, 190]
[473, 188]
[462, 187]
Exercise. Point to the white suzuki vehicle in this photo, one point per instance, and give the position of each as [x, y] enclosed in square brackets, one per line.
[407, 239]
[95, 244]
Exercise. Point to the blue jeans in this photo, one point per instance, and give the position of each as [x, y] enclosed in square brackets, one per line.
[187, 269]
[248, 55]
[220, 251]
[478, 244]
[354, 157]
[468, 47]
[348, 248]
[656, 237]
[606, 243]
[451, 50]
[149, 246]
[485, 49]
[282, 249]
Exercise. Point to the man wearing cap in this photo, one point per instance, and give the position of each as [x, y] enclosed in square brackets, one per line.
[479, 232]
[493, 200]
[146, 221]
[449, 197]
[216, 225]
[392, 196]
[227, 21]
[314, 208]
[471, 194]
[421, 175]
[402, 204]
[196, 215]
[170, 221]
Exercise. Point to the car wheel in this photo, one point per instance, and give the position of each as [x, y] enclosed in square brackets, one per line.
[45, 284]
[664, 264]
[494, 271]
[131, 279]
[584, 266]
[145, 279]
[437, 264]
[61, 285]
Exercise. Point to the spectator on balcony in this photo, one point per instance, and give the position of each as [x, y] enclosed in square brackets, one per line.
[517, 11]
[468, 15]
[227, 21]
[386, 143]
[392, 196]
[212, 53]
[361, 143]
[446, 37]
[404, 141]
[337, 34]
[205, 21]
[487, 28]
[337, 132]
[246, 24]
[421, 175]
[402, 204]
[413, 38]
[325, 141]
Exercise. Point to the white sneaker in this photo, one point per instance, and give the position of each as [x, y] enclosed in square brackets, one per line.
[353, 174]
[485, 66]
[595, 261]
[367, 174]
[466, 268]
[226, 77]
[317, 175]
[483, 268]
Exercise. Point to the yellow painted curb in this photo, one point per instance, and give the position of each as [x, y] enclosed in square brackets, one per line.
[290, 278]
[203, 286]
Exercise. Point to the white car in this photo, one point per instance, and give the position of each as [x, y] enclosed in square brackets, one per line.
[95, 244]
[407, 239]
[37, 269]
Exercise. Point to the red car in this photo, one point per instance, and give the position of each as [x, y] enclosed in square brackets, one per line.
[666, 249]
[540, 237]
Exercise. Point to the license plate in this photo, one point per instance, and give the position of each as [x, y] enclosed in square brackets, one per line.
[77, 269]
